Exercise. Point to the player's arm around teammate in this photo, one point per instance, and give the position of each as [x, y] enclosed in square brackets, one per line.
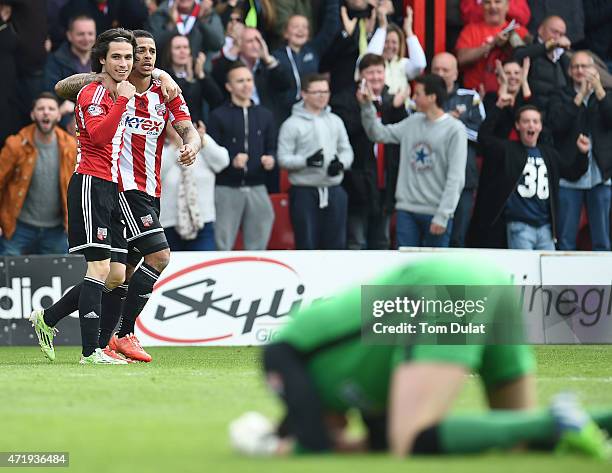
[69, 87]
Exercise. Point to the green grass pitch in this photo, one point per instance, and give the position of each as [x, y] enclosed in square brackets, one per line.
[172, 415]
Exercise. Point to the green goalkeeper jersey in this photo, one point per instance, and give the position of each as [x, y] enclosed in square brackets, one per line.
[351, 373]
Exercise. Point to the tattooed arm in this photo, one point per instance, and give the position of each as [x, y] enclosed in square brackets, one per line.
[191, 141]
[69, 87]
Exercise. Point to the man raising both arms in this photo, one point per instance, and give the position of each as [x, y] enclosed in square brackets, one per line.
[140, 185]
[94, 225]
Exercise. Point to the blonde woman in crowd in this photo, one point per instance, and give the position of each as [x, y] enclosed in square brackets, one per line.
[390, 42]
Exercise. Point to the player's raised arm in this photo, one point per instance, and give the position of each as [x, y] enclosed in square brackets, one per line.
[70, 87]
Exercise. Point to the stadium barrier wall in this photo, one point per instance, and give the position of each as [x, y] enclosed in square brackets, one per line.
[243, 298]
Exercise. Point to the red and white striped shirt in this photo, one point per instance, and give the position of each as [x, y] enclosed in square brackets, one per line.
[99, 128]
[145, 131]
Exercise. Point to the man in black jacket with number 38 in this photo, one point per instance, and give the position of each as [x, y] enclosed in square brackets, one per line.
[516, 206]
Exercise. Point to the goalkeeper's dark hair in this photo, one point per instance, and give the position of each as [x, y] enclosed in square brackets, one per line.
[101, 46]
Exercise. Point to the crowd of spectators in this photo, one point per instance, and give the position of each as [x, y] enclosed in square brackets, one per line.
[498, 142]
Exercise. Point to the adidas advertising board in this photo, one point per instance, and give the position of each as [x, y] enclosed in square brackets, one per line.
[33, 282]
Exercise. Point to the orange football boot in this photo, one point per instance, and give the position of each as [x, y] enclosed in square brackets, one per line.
[130, 347]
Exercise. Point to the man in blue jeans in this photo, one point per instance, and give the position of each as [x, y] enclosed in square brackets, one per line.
[35, 167]
[433, 154]
[584, 107]
[524, 191]
[467, 107]
[314, 148]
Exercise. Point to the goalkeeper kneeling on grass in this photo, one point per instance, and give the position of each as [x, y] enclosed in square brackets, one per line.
[320, 368]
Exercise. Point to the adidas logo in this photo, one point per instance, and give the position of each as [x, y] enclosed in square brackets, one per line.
[91, 315]
[145, 296]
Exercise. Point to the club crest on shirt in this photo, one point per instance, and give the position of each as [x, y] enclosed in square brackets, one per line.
[421, 157]
[160, 108]
[147, 220]
[102, 233]
[94, 110]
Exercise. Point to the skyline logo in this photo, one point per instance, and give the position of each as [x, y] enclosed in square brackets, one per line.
[221, 299]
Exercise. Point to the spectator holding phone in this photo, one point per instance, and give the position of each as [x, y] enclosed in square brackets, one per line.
[481, 44]
[433, 153]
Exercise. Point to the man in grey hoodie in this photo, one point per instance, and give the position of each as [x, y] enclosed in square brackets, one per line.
[433, 153]
[314, 147]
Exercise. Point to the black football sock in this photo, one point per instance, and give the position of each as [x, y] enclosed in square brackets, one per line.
[89, 313]
[68, 303]
[139, 291]
[112, 304]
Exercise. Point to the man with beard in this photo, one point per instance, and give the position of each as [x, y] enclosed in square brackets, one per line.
[35, 167]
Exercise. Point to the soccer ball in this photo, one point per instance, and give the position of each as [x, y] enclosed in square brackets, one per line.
[253, 434]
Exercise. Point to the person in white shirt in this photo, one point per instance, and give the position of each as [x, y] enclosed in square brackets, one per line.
[188, 197]
[389, 41]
